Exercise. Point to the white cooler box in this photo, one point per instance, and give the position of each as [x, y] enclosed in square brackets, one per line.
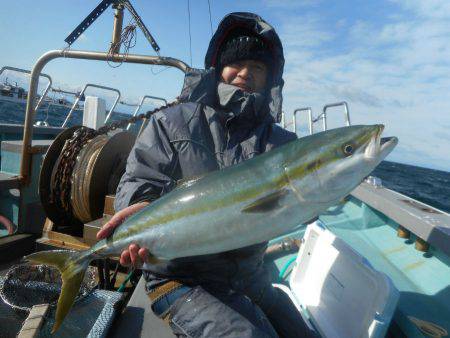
[337, 290]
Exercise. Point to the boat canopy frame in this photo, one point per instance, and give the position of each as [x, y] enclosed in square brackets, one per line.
[25, 164]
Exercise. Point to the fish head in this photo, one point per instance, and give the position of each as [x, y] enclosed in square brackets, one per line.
[334, 162]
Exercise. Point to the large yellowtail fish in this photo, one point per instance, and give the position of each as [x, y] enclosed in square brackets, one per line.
[252, 202]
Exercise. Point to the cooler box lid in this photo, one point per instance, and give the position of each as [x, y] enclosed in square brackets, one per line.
[343, 295]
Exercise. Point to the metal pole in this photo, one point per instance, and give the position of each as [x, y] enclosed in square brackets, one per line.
[73, 107]
[324, 119]
[142, 102]
[74, 54]
[310, 118]
[294, 118]
[114, 104]
[44, 94]
[337, 104]
[117, 29]
[81, 95]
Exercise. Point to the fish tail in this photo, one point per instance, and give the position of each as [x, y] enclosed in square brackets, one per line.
[72, 265]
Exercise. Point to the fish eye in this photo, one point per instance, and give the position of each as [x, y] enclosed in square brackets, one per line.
[348, 149]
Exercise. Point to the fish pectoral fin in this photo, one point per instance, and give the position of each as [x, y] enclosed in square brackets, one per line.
[186, 182]
[154, 260]
[267, 203]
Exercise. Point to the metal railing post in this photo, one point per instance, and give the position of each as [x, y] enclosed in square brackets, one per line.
[337, 104]
[294, 118]
[117, 28]
[74, 54]
[81, 95]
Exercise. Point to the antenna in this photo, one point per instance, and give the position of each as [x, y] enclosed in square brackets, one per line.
[118, 5]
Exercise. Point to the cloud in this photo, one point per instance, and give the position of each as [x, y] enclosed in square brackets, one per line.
[430, 9]
[394, 70]
[304, 32]
[289, 4]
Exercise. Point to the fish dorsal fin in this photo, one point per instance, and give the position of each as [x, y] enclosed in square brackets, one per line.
[267, 203]
[186, 182]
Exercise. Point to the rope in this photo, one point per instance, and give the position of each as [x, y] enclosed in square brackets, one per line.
[190, 37]
[65, 49]
[286, 266]
[127, 39]
[122, 286]
[319, 117]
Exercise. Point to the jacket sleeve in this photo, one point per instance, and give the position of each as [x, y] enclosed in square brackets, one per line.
[149, 168]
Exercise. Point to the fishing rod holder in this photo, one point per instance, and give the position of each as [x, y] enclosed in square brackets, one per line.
[25, 164]
[81, 94]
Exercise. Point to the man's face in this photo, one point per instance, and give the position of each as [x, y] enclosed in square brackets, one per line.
[249, 75]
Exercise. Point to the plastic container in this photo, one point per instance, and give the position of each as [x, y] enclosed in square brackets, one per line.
[337, 290]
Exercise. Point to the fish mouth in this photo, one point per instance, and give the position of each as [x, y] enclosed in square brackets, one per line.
[379, 147]
[387, 144]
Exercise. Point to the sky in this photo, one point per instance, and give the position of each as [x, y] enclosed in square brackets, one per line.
[389, 59]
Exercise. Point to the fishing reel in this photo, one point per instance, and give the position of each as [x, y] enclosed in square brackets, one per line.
[80, 168]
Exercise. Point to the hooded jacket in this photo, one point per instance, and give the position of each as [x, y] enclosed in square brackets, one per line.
[214, 126]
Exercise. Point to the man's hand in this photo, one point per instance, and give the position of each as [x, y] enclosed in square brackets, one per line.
[134, 255]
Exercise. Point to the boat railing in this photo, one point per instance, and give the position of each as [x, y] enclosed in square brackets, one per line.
[76, 54]
[20, 70]
[81, 94]
[310, 119]
[323, 116]
[142, 102]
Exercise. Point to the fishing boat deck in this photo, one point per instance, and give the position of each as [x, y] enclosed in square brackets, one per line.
[428, 223]
[421, 277]
[138, 320]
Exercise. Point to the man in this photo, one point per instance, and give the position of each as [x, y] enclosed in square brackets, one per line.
[229, 114]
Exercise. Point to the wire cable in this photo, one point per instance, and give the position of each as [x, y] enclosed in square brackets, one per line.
[190, 36]
[210, 20]
[128, 39]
